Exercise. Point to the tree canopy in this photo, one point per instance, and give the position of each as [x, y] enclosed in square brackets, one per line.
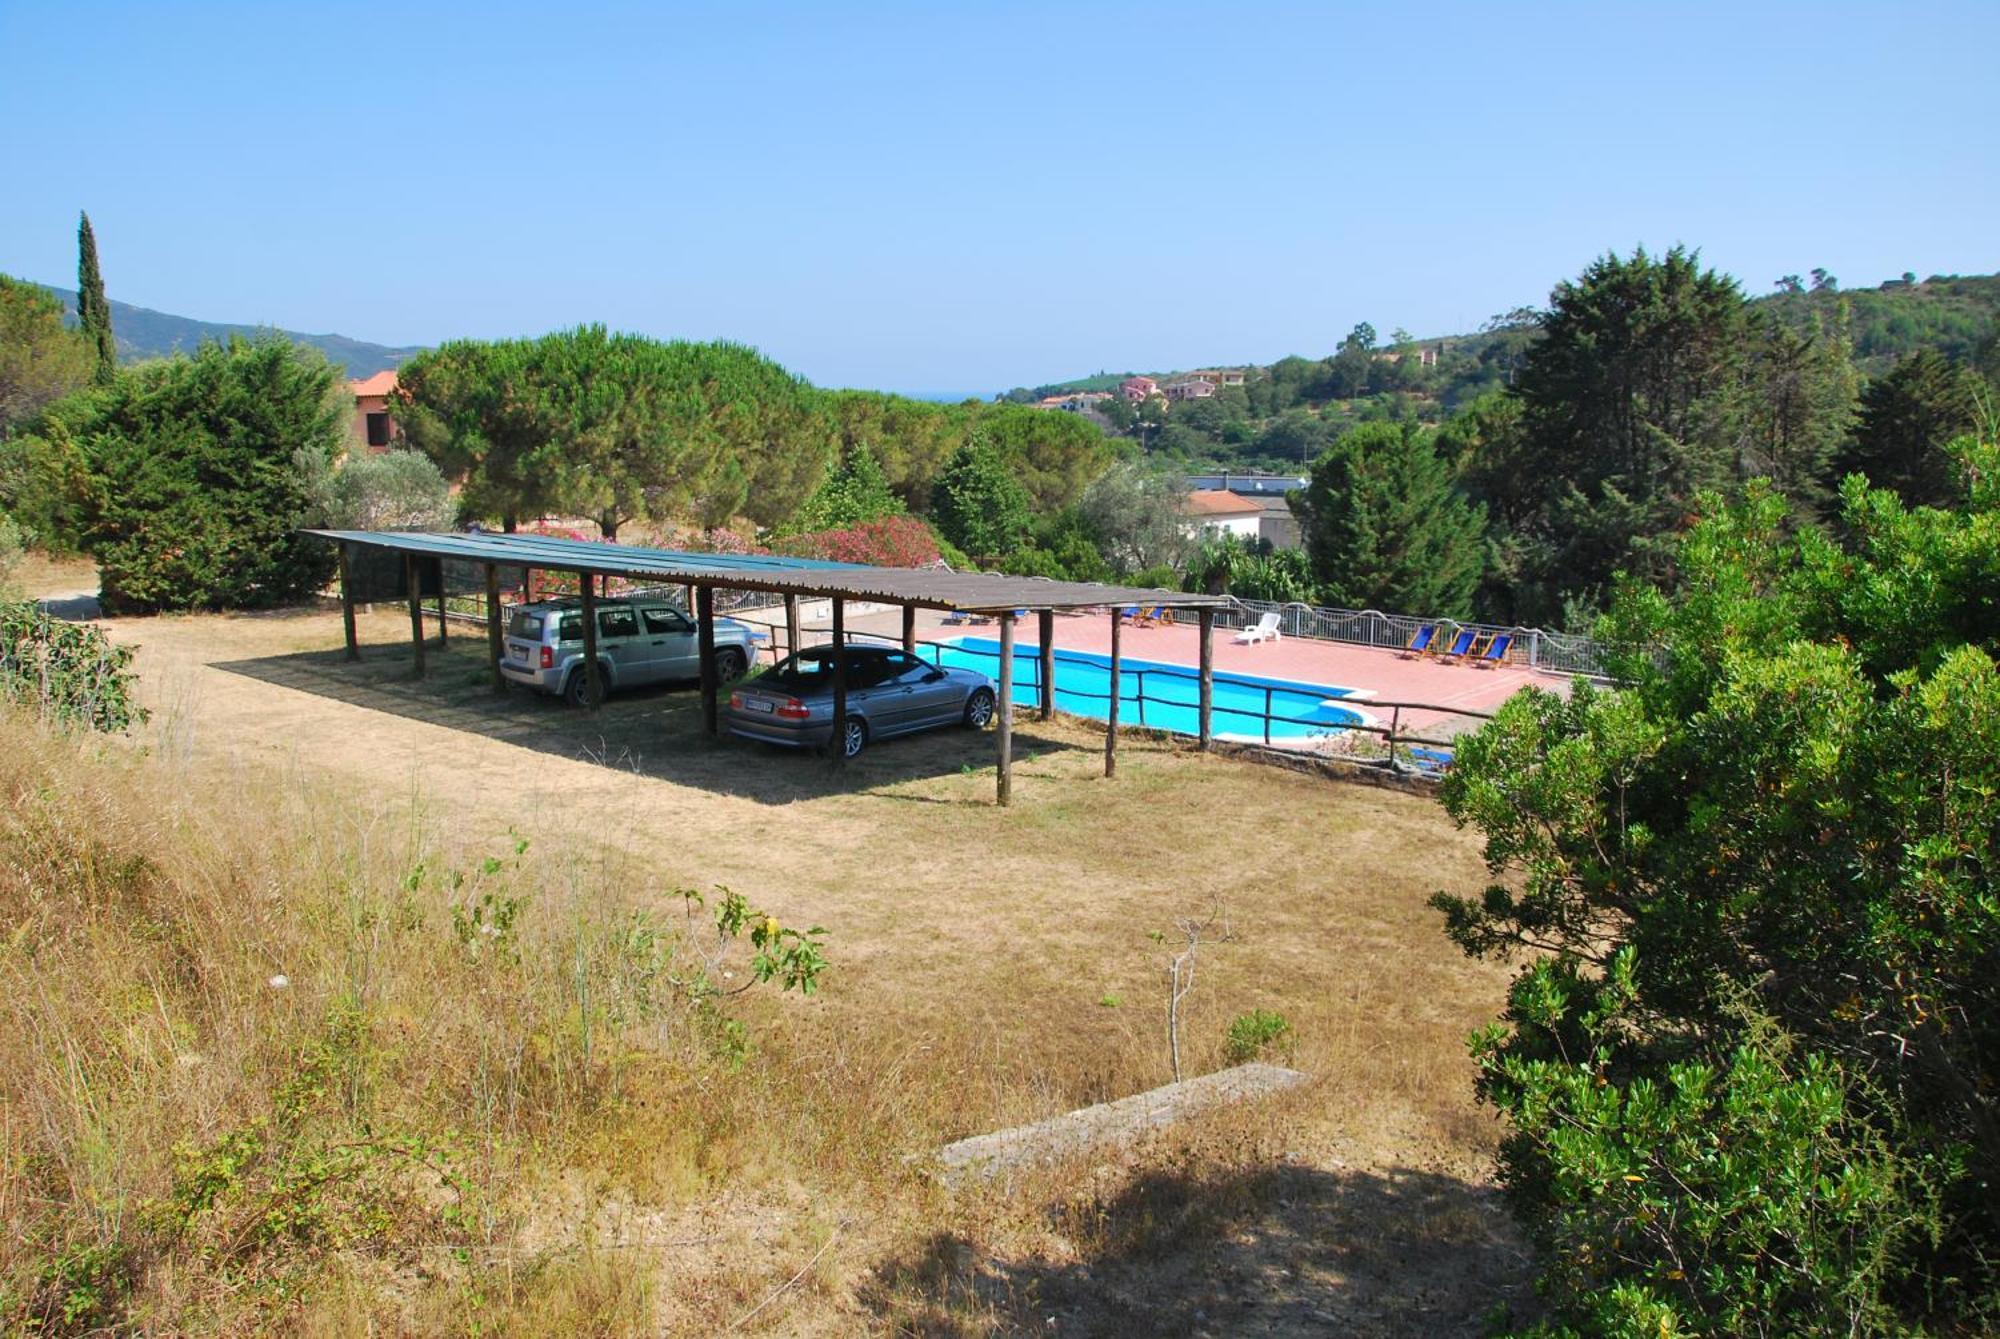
[1752, 1065]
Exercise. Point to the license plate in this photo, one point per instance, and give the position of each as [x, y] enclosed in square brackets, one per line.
[757, 704]
[518, 652]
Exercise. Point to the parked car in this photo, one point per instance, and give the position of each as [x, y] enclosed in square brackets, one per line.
[889, 692]
[640, 640]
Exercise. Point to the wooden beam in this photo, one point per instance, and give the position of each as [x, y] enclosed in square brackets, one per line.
[593, 680]
[910, 628]
[347, 607]
[791, 625]
[1207, 678]
[413, 579]
[1048, 635]
[441, 618]
[1111, 717]
[1004, 780]
[495, 648]
[837, 745]
[704, 621]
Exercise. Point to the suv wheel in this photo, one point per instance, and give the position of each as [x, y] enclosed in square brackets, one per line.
[979, 708]
[577, 690]
[730, 663]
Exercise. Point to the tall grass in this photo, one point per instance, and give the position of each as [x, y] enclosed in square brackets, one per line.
[261, 1050]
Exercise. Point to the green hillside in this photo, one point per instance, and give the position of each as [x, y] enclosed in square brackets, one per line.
[144, 333]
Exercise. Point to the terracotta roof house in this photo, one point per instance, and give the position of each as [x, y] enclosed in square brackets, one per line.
[372, 427]
[1135, 389]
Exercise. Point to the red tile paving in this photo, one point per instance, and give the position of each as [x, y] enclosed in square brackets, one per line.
[1382, 673]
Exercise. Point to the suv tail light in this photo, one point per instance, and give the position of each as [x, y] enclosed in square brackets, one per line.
[793, 710]
[548, 657]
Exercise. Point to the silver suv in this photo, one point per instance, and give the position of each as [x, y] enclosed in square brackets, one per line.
[641, 639]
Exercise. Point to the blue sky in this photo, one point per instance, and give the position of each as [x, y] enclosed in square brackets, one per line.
[964, 196]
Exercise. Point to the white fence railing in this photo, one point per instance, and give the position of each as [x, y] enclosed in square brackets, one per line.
[1537, 648]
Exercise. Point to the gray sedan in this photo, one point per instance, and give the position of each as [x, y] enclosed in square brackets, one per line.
[889, 692]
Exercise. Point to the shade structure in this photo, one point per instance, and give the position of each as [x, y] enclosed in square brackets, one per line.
[1006, 597]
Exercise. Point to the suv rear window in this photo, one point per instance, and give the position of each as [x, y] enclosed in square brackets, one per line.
[527, 627]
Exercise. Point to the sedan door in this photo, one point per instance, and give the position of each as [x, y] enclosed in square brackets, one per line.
[907, 699]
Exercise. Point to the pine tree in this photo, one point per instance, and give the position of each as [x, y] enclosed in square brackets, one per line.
[1387, 529]
[1907, 418]
[93, 310]
[978, 504]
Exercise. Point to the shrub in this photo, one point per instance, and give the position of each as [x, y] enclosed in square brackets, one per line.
[69, 674]
[893, 541]
[396, 490]
[196, 497]
[10, 557]
[1259, 1033]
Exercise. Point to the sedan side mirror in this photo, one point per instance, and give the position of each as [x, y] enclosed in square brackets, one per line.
[933, 676]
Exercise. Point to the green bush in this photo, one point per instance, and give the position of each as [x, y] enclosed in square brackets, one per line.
[1259, 1033]
[195, 495]
[70, 674]
[10, 557]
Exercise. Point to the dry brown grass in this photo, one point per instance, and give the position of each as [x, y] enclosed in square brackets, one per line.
[990, 967]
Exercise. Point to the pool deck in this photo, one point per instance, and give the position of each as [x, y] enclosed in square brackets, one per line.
[1381, 673]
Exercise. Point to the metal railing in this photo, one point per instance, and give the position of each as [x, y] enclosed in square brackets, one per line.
[1537, 648]
[1425, 748]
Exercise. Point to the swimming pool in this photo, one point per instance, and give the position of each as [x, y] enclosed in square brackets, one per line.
[1162, 696]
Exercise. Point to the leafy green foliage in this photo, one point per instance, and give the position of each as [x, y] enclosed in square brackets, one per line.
[1385, 526]
[1225, 565]
[1751, 1072]
[69, 674]
[392, 490]
[979, 505]
[1259, 1033]
[1908, 418]
[195, 497]
[93, 312]
[1133, 513]
[854, 493]
[40, 361]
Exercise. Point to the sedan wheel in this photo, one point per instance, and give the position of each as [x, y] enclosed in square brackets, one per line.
[853, 737]
[979, 708]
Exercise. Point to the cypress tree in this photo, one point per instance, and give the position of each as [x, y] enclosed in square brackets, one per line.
[93, 310]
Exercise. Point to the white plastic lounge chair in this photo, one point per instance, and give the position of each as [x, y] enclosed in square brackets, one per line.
[1265, 631]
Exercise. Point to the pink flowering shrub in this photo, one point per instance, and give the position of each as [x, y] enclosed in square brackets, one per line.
[891, 541]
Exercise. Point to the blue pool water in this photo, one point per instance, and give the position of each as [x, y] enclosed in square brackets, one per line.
[1162, 696]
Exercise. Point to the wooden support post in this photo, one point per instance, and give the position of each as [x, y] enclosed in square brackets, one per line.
[495, 648]
[837, 744]
[910, 628]
[1111, 716]
[1048, 690]
[441, 617]
[347, 607]
[1004, 781]
[704, 605]
[1395, 720]
[413, 578]
[791, 625]
[593, 678]
[1207, 679]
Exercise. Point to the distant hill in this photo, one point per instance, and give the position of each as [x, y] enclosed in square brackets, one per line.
[1949, 313]
[144, 333]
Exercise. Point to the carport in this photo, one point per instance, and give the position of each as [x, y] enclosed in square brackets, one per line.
[1006, 599]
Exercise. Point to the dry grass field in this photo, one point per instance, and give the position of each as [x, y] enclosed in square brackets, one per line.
[533, 1138]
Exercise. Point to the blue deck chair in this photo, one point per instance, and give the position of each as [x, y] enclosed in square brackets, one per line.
[1420, 643]
[1495, 652]
[1460, 645]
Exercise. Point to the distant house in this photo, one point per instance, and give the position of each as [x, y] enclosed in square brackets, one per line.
[1210, 511]
[1137, 389]
[1221, 376]
[372, 427]
[1073, 402]
[1195, 387]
